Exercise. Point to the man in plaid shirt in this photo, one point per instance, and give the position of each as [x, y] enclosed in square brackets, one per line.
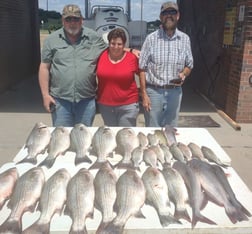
[166, 58]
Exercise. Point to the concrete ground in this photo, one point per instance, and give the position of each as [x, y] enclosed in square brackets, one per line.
[21, 107]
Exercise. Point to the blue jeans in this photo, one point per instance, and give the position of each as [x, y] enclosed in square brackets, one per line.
[124, 116]
[70, 113]
[165, 106]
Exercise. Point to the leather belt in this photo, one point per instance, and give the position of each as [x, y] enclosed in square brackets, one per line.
[163, 86]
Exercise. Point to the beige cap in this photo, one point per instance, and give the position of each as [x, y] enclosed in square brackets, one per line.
[71, 10]
[167, 5]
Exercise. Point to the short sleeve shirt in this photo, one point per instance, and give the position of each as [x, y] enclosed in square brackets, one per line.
[72, 71]
[163, 57]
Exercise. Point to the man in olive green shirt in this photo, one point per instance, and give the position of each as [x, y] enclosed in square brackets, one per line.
[67, 71]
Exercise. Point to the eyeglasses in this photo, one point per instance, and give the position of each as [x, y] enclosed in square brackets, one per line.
[169, 12]
[72, 19]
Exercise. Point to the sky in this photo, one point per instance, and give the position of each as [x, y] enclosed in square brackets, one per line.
[150, 10]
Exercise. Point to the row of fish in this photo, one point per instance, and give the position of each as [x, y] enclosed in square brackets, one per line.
[118, 196]
[160, 146]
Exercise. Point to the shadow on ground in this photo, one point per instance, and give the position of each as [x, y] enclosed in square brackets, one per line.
[25, 97]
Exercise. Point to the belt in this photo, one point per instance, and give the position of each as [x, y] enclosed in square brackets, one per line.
[163, 86]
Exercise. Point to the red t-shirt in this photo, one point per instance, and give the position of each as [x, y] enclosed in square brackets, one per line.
[116, 82]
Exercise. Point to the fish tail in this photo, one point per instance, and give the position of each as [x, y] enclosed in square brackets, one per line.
[37, 228]
[101, 227]
[109, 228]
[201, 218]
[165, 220]
[11, 226]
[28, 160]
[97, 165]
[124, 165]
[83, 231]
[242, 208]
[48, 162]
[182, 214]
[79, 160]
[235, 214]
[245, 211]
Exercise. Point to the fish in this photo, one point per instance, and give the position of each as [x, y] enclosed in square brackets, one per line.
[212, 157]
[167, 154]
[161, 136]
[8, 181]
[24, 198]
[196, 151]
[157, 195]
[80, 141]
[196, 196]
[128, 186]
[224, 182]
[153, 139]
[159, 152]
[51, 201]
[170, 134]
[105, 194]
[150, 157]
[59, 144]
[186, 151]
[103, 145]
[36, 143]
[127, 141]
[137, 157]
[217, 190]
[143, 140]
[80, 200]
[177, 192]
[177, 153]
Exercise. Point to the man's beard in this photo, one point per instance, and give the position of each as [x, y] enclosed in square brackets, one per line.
[72, 31]
[169, 24]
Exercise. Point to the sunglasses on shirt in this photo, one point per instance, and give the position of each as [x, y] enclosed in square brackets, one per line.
[72, 19]
[169, 12]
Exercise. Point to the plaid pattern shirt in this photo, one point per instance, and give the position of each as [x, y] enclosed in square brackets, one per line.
[163, 57]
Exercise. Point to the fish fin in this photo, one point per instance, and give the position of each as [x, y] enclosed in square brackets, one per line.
[235, 214]
[11, 226]
[48, 162]
[136, 168]
[244, 210]
[28, 160]
[201, 218]
[79, 160]
[165, 220]
[37, 228]
[139, 214]
[83, 231]
[182, 214]
[110, 228]
[97, 165]
[123, 165]
[101, 227]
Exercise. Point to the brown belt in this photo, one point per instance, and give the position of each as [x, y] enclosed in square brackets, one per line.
[163, 86]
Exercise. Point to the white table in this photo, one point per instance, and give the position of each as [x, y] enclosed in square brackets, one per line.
[200, 136]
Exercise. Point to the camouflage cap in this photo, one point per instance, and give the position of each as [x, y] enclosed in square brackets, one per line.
[71, 10]
[167, 5]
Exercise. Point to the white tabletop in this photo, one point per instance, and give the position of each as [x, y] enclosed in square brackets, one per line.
[200, 136]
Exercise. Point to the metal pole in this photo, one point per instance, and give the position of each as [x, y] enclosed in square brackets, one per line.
[46, 5]
[141, 22]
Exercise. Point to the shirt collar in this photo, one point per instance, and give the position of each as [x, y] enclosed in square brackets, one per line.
[175, 35]
[82, 35]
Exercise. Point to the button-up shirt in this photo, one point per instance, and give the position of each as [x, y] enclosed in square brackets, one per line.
[72, 71]
[163, 57]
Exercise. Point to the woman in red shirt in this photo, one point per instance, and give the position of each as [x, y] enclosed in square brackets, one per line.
[117, 94]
